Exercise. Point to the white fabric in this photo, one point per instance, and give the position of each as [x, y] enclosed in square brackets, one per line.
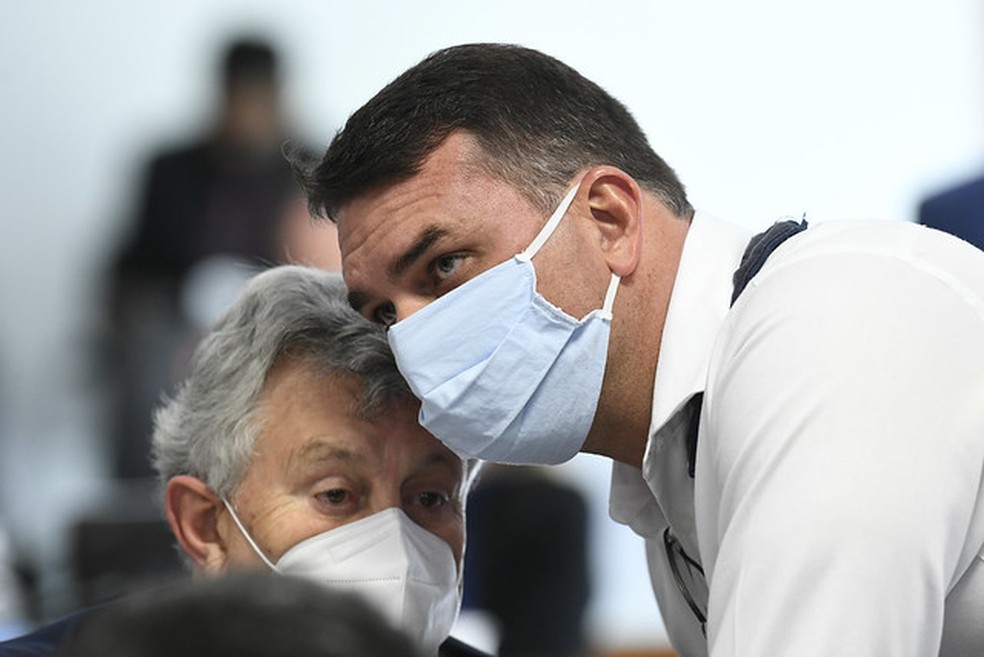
[838, 501]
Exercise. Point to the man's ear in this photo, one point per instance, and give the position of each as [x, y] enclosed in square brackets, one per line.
[192, 509]
[616, 205]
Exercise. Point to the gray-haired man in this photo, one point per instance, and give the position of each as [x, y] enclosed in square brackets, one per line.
[294, 445]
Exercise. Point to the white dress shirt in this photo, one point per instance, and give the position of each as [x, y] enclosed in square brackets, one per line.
[838, 504]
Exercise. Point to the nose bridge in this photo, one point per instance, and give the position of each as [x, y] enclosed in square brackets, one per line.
[409, 303]
[387, 498]
[386, 489]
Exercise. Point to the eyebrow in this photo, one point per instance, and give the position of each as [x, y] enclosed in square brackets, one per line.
[318, 451]
[424, 241]
[455, 466]
[441, 458]
[431, 234]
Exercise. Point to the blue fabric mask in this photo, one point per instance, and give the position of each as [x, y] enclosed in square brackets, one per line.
[503, 374]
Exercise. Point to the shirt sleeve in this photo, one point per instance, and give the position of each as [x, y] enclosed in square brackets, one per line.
[840, 459]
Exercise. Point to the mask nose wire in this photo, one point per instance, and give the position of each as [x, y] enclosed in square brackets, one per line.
[249, 539]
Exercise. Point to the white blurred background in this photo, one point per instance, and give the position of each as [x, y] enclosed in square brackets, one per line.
[839, 109]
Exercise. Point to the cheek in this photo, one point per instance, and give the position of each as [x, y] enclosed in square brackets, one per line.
[242, 557]
[572, 276]
[283, 527]
[454, 535]
[238, 554]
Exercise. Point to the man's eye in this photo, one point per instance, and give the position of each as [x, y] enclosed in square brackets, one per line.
[384, 314]
[431, 499]
[335, 496]
[447, 265]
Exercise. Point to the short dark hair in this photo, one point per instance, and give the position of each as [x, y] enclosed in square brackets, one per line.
[537, 121]
[247, 615]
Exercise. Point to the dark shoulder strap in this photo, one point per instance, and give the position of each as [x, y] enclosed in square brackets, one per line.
[756, 253]
[759, 249]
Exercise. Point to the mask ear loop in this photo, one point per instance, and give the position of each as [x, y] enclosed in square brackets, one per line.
[547, 231]
[249, 539]
[606, 308]
[549, 227]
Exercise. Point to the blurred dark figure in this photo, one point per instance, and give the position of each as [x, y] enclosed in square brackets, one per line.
[229, 198]
[958, 211]
[243, 615]
[526, 562]
[113, 553]
[13, 612]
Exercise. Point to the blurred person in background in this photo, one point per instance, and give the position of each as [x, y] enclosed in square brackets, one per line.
[246, 615]
[293, 446]
[13, 606]
[958, 210]
[13, 614]
[206, 207]
[527, 561]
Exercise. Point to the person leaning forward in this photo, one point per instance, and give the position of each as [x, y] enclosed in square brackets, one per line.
[803, 461]
[293, 447]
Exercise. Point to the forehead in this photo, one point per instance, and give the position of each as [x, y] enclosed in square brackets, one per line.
[451, 192]
[307, 416]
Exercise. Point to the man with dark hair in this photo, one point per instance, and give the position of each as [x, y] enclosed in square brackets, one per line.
[796, 418]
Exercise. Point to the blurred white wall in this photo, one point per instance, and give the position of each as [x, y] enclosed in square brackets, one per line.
[843, 108]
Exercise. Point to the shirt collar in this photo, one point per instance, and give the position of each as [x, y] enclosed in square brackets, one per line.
[700, 299]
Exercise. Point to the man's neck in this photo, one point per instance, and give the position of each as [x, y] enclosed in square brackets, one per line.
[621, 427]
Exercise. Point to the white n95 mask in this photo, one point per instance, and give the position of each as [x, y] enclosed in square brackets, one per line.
[503, 374]
[400, 568]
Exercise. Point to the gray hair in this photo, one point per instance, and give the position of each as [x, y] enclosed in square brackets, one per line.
[208, 429]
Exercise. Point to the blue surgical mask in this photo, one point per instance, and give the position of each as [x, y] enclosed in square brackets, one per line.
[503, 374]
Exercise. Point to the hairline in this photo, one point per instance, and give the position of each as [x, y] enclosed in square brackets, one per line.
[542, 194]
